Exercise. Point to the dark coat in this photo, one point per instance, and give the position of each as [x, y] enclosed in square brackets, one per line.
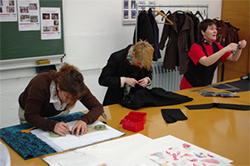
[181, 37]
[157, 53]
[111, 73]
[196, 22]
[144, 29]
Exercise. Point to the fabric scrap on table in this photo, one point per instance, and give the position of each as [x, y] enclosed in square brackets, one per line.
[173, 115]
[219, 105]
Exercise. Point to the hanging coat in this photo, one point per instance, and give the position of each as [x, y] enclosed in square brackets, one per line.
[144, 29]
[222, 31]
[157, 53]
[232, 35]
[181, 37]
[196, 22]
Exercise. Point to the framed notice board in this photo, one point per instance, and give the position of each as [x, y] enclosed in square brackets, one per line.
[15, 44]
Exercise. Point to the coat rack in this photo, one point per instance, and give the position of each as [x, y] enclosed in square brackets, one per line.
[170, 6]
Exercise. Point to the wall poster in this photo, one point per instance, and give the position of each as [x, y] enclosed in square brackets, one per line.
[28, 15]
[50, 23]
[129, 10]
[8, 10]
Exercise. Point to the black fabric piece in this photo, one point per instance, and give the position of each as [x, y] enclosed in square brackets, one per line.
[219, 105]
[152, 97]
[200, 75]
[200, 106]
[233, 106]
[172, 115]
[243, 85]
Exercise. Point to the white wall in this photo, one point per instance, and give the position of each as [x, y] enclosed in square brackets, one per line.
[92, 31]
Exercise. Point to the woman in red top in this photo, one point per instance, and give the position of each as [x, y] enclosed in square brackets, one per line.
[205, 54]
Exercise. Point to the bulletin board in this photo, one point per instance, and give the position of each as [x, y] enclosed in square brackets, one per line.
[17, 44]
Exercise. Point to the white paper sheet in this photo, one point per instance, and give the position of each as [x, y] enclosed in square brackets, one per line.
[136, 150]
[113, 152]
[73, 158]
[116, 152]
[72, 141]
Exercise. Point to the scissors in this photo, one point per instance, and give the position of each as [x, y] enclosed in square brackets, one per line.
[27, 131]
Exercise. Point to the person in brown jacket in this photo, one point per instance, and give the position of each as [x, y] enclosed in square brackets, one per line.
[55, 93]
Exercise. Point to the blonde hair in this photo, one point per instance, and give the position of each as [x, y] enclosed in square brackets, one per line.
[144, 52]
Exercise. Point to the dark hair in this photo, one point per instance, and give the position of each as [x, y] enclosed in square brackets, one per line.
[203, 26]
[69, 80]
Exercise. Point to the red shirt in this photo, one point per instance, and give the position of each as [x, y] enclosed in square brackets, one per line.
[195, 53]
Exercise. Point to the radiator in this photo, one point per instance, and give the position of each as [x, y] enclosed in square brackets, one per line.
[165, 78]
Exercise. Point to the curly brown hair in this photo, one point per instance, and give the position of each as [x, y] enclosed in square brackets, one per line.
[69, 80]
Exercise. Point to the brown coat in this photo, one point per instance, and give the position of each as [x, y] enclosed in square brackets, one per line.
[181, 37]
[222, 32]
[232, 36]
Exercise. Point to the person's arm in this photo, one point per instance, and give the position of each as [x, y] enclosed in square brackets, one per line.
[146, 80]
[207, 61]
[36, 98]
[93, 105]
[242, 44]
[108, 75]
[95, 110]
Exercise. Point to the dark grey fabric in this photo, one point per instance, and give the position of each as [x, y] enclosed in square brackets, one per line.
[219, 105]
[173, 115]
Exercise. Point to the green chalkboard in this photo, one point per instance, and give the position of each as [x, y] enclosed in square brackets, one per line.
[23, 44]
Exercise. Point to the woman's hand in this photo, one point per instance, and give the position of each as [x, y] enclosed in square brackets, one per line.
[231, 47]
[143, 82]
[79, 128]
[61, 128]
[242, 43]
[131, 81]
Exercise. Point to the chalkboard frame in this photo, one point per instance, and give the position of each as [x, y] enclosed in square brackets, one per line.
[15, 44]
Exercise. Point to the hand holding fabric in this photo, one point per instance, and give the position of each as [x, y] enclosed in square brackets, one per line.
[231, 47]
[131, 81]
[143, 82]
[242, 43]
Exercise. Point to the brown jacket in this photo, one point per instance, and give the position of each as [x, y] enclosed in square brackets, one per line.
[232, 36]
[181, 37]
[222, 32]
[35, 101]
